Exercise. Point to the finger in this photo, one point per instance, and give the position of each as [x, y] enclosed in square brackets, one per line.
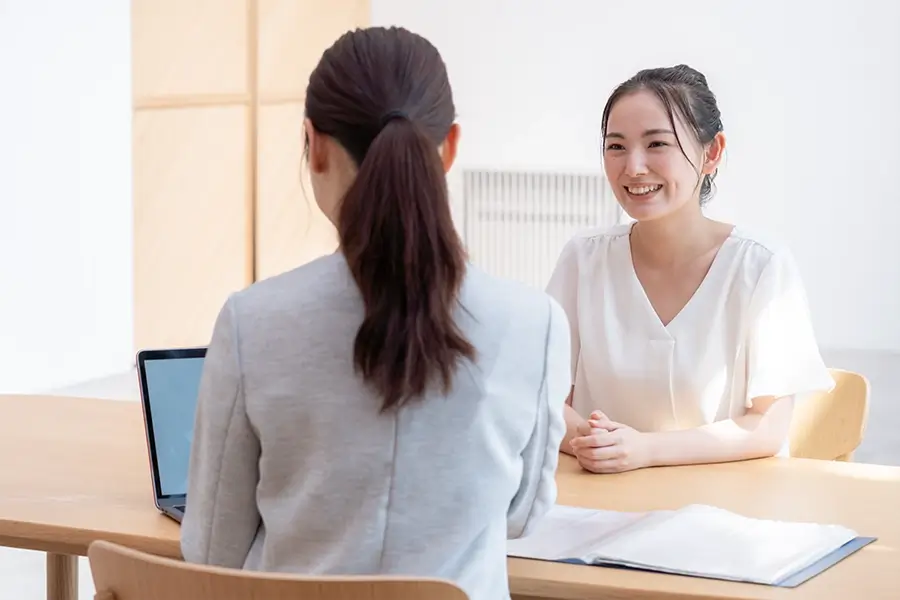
[596, 466]
[579, 442]
[608, 466]
[597, 439]
[600, 454]
[599, 415]
[588, 466]
[604, 425]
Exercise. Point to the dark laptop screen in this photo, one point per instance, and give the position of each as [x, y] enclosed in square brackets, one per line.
[172, 386]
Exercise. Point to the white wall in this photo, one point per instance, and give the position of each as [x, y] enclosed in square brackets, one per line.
[65, 192]
[811, 107]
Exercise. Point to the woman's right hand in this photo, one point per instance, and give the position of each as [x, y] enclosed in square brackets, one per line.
[578, 427]
[585, 432]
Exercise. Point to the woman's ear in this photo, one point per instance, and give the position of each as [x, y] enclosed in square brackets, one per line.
[448, 147]
[315, 148]
[715, 150]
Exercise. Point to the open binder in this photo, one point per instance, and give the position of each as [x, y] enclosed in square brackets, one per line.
[697, 540]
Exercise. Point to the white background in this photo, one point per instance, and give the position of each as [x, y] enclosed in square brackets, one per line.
[65, 191]
[809, 91]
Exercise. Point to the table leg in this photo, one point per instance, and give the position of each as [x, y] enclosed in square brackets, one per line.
[62, 577]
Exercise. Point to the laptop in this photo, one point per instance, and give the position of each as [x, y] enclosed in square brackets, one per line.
[169, 383]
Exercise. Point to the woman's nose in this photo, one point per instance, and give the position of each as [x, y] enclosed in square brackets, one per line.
[636, 164]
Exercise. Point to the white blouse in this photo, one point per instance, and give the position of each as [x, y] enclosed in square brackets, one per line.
[745, 333]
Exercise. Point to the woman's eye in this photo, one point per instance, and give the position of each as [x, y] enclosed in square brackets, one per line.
[615, 147]
[658, 144]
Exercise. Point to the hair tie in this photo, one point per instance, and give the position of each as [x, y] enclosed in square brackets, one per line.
[391, 115]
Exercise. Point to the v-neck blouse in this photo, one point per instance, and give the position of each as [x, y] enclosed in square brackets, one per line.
[745, 333]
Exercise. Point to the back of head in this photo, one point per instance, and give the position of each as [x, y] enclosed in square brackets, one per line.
[384, 96]
[685, 92]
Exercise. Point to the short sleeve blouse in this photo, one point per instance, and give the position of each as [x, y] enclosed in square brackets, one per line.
[745, 333]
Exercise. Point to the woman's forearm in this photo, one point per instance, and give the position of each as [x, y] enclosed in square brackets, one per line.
[757, 434]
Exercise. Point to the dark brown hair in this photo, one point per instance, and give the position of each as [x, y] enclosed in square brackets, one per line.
[384, 95]
[682, 89]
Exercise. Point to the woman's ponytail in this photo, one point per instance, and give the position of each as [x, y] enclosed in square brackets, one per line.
[394, 223]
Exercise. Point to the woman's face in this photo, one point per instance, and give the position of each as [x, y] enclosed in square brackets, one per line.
[647, 171]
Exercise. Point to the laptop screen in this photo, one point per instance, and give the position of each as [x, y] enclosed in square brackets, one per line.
[172, 384]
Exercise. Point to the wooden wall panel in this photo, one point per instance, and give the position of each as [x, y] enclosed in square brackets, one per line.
[185, 48]
[291, 230]
[293, 34]
[217, 93]
[190, 220]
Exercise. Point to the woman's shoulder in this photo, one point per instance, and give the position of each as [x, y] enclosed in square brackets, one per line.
[594, 241]
[598, 235]
[321, 283]
[585, 254]
[482, 289]
[762, 263]
[491, 300]
[757, 250]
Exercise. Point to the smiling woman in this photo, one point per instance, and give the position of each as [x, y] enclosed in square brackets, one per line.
[698, 123]
[690, 337]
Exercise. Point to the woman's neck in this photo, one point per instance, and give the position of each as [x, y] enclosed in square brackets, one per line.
[674, 239]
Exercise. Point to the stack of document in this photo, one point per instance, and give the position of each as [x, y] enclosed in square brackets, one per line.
[697, 540]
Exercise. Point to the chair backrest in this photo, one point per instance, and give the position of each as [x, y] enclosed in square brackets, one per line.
[124, 574]
[829, 426]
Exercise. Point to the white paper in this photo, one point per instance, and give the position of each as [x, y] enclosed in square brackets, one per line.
[708, 541]
[569, 532]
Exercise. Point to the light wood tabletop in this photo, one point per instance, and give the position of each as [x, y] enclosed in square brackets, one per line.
[863, 497]
[76, 470]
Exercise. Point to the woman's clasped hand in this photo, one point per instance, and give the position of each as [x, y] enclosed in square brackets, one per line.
[604, 446]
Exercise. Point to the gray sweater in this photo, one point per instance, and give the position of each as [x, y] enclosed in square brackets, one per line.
[294, 469]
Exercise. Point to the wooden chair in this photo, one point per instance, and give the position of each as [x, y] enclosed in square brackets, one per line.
[124, 574]
[830, 426]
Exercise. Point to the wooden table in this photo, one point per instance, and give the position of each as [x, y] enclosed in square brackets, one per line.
[76, 470]
[863, 497]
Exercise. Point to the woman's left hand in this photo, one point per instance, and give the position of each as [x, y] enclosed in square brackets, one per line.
[611, 447]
